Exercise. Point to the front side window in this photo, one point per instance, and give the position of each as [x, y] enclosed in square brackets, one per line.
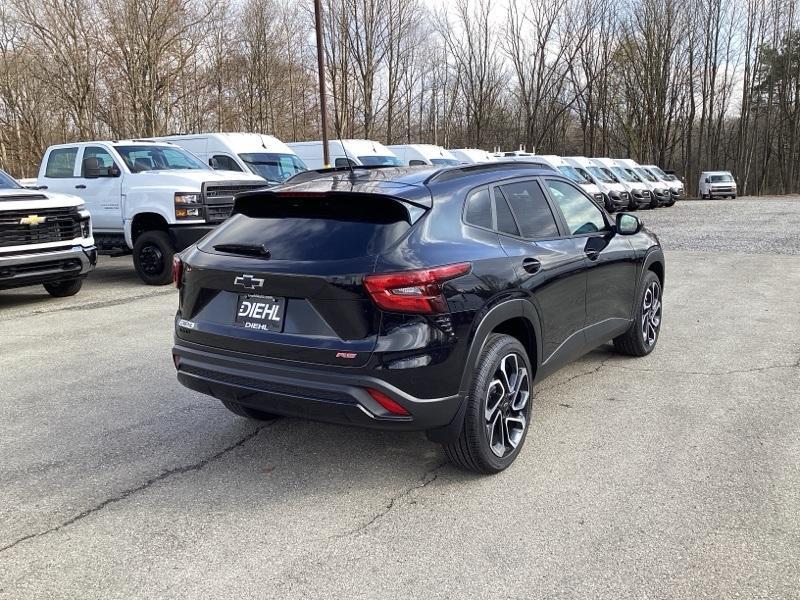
[415, 162]
[444, 161]
[580, 213]
[343, 162]
[226, 163]
[61, 162]
[530, 207]
[104, 159]
[162, 158]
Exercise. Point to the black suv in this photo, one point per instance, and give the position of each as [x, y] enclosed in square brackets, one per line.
[416, 298]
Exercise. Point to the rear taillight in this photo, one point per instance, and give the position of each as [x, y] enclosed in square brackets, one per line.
[413, 291]
[177, 271]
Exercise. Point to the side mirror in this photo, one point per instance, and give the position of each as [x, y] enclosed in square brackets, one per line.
[708, 180]
[628, 224]
[213, 163]
[113, 171]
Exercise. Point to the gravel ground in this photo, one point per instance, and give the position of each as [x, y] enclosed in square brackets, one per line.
[672, 476]
[767, 225]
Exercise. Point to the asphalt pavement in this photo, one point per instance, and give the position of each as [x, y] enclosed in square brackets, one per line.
[672, 476]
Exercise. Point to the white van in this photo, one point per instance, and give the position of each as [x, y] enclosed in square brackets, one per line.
[514, 155]
[640, 195]
[615, 194]
[263, 155]
[423, 154]
[568, 171]
[717, 183]
[672, 183]
[355, 152]
[472, 155]
[661, 194]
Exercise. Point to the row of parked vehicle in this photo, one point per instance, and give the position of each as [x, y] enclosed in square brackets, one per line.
[155, 197]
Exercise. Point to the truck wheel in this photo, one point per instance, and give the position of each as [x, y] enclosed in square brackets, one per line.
[152, 257]
[62, 289]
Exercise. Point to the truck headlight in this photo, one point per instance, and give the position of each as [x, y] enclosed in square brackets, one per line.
[86, 228]
[188, 205]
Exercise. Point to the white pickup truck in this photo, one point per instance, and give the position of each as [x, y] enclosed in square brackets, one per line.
[152, 198]
[45, 239]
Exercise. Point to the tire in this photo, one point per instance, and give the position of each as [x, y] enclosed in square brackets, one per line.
[733, 197]
[62, 289]
[152, 257]
[642, 336]
[609, 205]
[247, 412]
[473, 450]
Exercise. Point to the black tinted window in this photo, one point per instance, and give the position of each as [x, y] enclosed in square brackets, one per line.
[505, 220]
[479, 208]
[581, 214]
[226, 163]
[531, 209]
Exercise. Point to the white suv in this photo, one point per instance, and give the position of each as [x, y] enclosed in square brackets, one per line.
[45, 239]
[153, 198]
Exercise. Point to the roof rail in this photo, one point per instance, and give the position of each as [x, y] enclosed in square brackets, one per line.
[463, 170]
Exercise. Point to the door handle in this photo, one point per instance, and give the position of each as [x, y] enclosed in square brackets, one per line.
[531, 265]
[592, 253]
[80, 186]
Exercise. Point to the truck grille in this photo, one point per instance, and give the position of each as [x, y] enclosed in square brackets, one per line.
[218, 198]
[61, 225]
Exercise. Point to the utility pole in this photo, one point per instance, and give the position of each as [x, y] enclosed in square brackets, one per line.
[323, 109]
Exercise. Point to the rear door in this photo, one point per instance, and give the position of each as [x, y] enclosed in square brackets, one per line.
[285, 280]
[59, 171]
[610, 258]
[550, 266]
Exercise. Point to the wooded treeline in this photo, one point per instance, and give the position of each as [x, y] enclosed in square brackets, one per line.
[686, 84]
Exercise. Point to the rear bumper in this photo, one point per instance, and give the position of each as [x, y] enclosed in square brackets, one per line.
[322, 395]
[33, 268]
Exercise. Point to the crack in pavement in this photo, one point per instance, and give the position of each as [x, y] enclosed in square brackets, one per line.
[139, 488]
[558, 384]
[427, 478]
[90, 305]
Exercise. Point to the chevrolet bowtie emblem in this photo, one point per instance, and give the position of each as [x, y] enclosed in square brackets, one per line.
[248, 281]
[32, 220]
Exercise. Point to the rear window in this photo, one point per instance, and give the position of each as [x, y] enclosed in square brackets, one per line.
[61, 162]
[301, 229]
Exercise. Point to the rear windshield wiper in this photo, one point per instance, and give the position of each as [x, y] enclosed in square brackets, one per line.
[258, 250]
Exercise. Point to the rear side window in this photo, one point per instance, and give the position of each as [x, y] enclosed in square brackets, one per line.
[61, 162]
[479, 208]
[531, 209]
[505, 219]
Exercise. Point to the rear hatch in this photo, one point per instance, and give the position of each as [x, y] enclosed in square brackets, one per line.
[283, 278]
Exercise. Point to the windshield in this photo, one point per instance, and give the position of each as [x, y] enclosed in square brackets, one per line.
[444, 161]
[601, 174]
[659, 173]
[158, 158]
[572, 174]
[7, 182]
[624, 175]
[272, 166]
[645, 174]
[380, 161]
[722, 177]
